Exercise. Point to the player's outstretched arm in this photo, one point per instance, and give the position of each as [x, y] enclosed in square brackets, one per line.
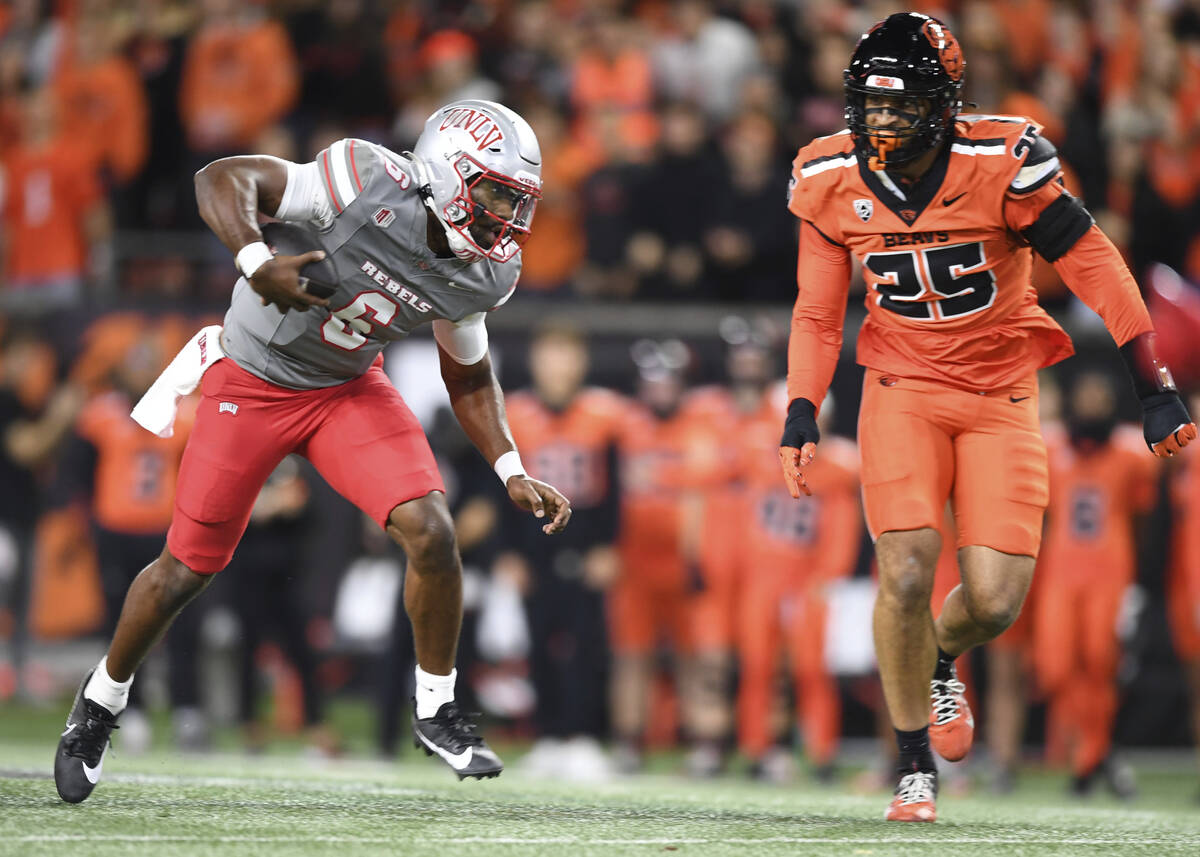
[230, 194]
[478, 403]
[798, 446]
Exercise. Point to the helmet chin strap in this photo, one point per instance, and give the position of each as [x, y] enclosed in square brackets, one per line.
[463, 250]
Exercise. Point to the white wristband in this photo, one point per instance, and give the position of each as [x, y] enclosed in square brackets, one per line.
[251, 257]
[509, 465]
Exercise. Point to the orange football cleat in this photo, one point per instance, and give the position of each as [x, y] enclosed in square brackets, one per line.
[951, 725]
[916, 798]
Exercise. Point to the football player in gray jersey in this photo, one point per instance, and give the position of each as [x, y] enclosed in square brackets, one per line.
[429, 236]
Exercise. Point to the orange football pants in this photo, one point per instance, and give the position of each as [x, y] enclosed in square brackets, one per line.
[777, 616]
[1076, 652]
[923, 443]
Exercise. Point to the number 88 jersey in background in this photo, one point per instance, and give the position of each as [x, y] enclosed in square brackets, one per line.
[947, 260]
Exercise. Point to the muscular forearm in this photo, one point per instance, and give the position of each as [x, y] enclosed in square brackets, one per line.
[231, 192]
[478, 403]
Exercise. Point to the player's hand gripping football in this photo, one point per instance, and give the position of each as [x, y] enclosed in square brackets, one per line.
[541, 499]
[1166, 424]
[798, 447]
[277, 281]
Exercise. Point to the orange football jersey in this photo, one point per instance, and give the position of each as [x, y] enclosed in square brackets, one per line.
[723, 519]
[1093, 500]
[569, 449]
[1183, 589]
[811, 540]
[945, 261]
[664, 463]
[134, 487]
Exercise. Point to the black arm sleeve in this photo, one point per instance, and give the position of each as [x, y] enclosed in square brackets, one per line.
[1058, 227]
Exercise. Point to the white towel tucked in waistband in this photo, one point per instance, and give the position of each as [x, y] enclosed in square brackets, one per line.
[156, 410]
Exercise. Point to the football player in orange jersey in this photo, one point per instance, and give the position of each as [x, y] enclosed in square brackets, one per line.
[944, 212]
[792, 553]
[1183, 588]
[1100, 483]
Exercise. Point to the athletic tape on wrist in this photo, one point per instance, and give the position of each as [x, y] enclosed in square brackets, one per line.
[509, 465]
[251, 257]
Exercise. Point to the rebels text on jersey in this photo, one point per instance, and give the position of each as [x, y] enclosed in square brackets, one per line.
[371, 224]
[947, 260]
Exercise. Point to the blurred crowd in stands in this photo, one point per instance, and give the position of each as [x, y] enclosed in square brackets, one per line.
[687, 578]
[667, 126]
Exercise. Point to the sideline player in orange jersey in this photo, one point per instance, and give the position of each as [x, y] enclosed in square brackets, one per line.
[569, 431]
[1100, 481]
[668, 456]
[792, 552]
[943, 211]
[1183, 591]
[726, 409]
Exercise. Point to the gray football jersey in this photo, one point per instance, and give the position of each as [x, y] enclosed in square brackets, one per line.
[372, 226]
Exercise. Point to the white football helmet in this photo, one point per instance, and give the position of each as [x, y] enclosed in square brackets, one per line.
[481, 175]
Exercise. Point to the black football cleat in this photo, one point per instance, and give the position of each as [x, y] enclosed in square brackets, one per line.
[452, 736]
[82, 747]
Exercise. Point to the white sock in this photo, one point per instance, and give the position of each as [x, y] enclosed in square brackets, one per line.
[433, 691]
[104, 690]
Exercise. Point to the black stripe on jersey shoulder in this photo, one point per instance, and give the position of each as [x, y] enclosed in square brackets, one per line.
[826, 237]
[1041, 152]
[825, 158]
[986, 141]
[1061, 224]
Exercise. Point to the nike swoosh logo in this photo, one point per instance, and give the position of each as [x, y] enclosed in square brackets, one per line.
[1015, 399]
[458, 761]
[70, 728]
[950, 200]
[93, 774]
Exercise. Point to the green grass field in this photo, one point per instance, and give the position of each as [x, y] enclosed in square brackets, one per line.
[227, 804]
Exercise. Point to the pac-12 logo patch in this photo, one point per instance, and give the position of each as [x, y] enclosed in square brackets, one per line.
[384, 217]
[864, 208]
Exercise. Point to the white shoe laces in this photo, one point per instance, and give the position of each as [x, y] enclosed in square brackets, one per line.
[945, 700]
[917, 787]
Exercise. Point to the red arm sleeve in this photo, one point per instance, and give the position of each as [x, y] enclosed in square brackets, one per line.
[1090, 266]
[823, 281]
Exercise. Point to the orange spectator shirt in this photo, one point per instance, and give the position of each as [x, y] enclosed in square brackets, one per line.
[947, 269]
[1093, 501]
[134, 486]
[46, 192]
[236, 82]
[106, 103]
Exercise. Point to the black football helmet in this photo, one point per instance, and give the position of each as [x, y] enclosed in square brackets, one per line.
[907, 55]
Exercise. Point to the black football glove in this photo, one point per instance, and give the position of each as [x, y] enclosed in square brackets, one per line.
[798, 445]
[1166, 424]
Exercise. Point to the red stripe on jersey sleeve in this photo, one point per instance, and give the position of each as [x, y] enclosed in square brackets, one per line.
[329, 181]
[354, 168]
